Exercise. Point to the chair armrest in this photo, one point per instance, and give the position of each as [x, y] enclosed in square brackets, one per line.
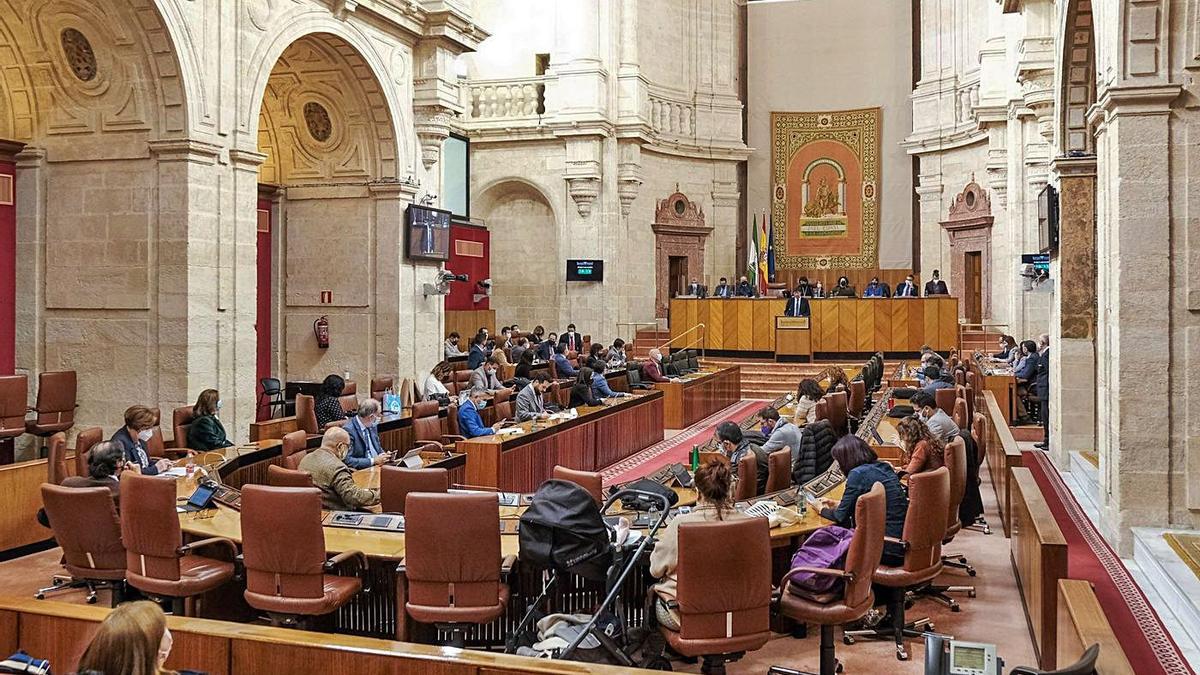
[211, 541]
[336, 561]
[1022, 670]
[893, 540]
[825, 571]
[506, 563]
[448, 439]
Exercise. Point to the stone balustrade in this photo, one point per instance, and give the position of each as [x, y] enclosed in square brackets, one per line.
[517, 99]
[668, 116]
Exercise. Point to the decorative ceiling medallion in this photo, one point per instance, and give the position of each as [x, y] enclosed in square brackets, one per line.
[79, 54]
[320, 127]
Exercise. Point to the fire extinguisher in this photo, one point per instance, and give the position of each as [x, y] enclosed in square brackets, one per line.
[321, 330]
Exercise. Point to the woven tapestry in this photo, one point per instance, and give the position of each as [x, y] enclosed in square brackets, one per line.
[825, 188]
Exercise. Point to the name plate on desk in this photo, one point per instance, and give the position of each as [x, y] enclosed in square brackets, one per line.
[791, 322]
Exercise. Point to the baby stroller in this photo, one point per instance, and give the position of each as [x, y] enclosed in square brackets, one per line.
[563, 532]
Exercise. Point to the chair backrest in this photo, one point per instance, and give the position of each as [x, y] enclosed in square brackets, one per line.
[56, 459]
[724, 588]
[156, 446]
[349, 403]
[960, 377]
[866, 548]
[425, 422]
[395, 484]
[588, 480]
[779, 469]
[85, 525]
[924, 524]
[279, 476]
[456, 566]
[462, 376]
[837, 402]
[293, 460]
[56, 397]
[551, 395]
[553, 369]
[181, 422]
[380, 384]
[283, 544]
[858, 398]
[821, 410]
[13, 392]
[502, 402]
[293, 442]
[979, 431]
[271, 386]
[960, 416]
[306, 414]
[83, 446]
[944, 399]
[693, 360]
[747, 483]
[150, 526]
[634, 373]
[350, 387]
[956, 464]
[451, 420]
[967, 394]
[408, 393]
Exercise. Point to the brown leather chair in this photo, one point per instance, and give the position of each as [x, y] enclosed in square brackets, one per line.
[408, 393]
[85, 525]
[283, 545]
[553, 368]
[157, 446]
[956, 463]
[452, 575]
[779, 470]
[380, 384]
[56, 459]
[960, 377]
[427, 426]
[349, 403]
[502, 407]
[181, 423]
[858, 399]
[55, 408]
[855, 598]
[960, 414]
[724, 590]
[551, 395]
[292, 443]
[944, 398]
[306, 414]
[350, 388]
[293, 460]
[462, 378]
[278, 476]
[157, 562]
[83, 445]
[395, 483]
[746, 486]
[822, 410]
[588, 480]
[13, 406]
[924, 527]
[966, 394]
[451, 426]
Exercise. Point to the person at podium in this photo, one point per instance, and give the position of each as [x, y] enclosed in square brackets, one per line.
[797, 305]
[723, 289]
[906, 288]
[843, 289]
[936, 286]
[876, 289]
[745, 289]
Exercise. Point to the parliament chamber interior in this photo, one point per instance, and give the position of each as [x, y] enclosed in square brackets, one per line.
[599, 336]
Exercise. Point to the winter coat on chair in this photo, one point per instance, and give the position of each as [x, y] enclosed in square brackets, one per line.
[815, 454]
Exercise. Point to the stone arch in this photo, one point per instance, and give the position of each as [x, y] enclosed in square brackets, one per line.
[489, 191]
[524, 226]
[1076, 71]
[346, 45]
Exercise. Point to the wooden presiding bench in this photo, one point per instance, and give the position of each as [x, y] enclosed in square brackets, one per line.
[20, 499]
[1081, 623]
[1039, 559]
[60, 633]
[1002, 455]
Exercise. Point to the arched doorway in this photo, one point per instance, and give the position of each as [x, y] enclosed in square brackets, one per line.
[525, 243]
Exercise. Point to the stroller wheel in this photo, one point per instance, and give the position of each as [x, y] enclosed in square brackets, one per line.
[658, 664]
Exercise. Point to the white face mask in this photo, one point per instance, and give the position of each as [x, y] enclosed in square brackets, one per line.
[218, 404]
[479, 405]
[145, 434]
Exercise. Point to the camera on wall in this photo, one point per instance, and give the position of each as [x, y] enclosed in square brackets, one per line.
[443, 281]
[483, 289]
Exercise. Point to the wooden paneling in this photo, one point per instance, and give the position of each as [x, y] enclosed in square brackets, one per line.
[1002, 455]
[898, 340]
[916, 324]
[1082, 623]
[688, 402]
[745, 326]
[947, 321]
[1039, 559]
[468, 321]
[932, 330]
[883, 324]
[20, 498]
[864, 319]
[791, 341]
[764, 327]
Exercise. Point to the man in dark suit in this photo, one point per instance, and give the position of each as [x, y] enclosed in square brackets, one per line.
[695, 289]
[797, 305]
[723, 289]
[571, 339]
[363, 428]
[1041, 380]
[906, 288]
[936, 286]
[745, 289]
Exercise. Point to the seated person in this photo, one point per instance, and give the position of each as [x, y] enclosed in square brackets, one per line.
[925, 452]
[572, 339]
[804, 287]
[843, 289]
[940, 424]
[1026, 367]
[735, 446]
[652, 368]
[745, 289]
[806, 402]
[595, 355]
[616, 354]
[478, 353]
[139, 427]
[582, 393]
[133, 638]
[1007, 344]
[935, 379]
[470, 423]
[331, 475]
[863, 469]
[530, 402]
[432, 388]
[564, 367]
[485, 375]
[525, 365]
[818, 289]
[105, 462]
[328, 407]
[935, 286]
[875, 289]
[600, 386]
[713, 492]
[451, 346]
[906, 288]
[363, 428]
[206, 431]
[782, 433]
[505, 338]
[723, 289]
[519, 349]
[545, 348]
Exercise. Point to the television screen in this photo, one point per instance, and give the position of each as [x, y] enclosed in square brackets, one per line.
[1040, 261]
[1048, 220]
[585, 270]
[428, 233]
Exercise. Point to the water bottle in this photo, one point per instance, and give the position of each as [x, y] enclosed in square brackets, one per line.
[695, 458]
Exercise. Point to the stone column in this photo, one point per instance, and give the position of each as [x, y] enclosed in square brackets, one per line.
[237, 303]
[1073, 313]
[31, 242]
[394, 280]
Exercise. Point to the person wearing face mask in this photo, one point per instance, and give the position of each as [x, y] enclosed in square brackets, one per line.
[735, 446]
[333, 477]
[940, 424]
[804, 288]
[561, 364]
[906, 288]
[470, 423]
[843, 289]
[936, 286]
[876, 289]
[652, 369]
[745, 289]
[363, 428]
[818, 289]
[206, 431]
[484, 376]
[133, 638]
[139, 427]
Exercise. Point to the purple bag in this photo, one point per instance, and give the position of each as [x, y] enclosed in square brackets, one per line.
[826, 548]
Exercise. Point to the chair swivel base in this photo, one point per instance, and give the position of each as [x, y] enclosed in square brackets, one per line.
[911, 629]
[714, 664]
[829, 663]
[61, 583]
[980, 525]
[457, 633]
[939, 593]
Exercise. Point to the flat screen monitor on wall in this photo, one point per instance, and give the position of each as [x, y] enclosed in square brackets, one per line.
[1048, 220]
[585, 270]
[428, 233]
[456, 175]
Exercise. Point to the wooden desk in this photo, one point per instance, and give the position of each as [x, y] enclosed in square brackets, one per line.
[1039, 559]
[699, 395]
[1002, 455]
[837, 325]
[20, 498]
[1082, 623]
[793, 336]
[598, 437]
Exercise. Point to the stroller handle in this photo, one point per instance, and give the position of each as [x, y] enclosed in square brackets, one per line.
[666, 505]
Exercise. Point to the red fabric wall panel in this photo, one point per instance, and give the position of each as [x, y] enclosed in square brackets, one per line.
[470, 254]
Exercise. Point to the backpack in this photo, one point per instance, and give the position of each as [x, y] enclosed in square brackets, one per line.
[825, 548]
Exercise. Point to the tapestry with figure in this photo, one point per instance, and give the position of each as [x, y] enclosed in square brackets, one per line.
[825, 188]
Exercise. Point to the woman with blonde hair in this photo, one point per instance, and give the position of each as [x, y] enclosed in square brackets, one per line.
[925, 451]
[133, 640]
[206, 431]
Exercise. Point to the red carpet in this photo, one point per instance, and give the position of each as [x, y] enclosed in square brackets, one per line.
[1147, 644]
[676, 448]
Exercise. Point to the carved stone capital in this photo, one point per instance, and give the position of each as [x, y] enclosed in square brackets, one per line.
[432, 124]
[584, 190]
